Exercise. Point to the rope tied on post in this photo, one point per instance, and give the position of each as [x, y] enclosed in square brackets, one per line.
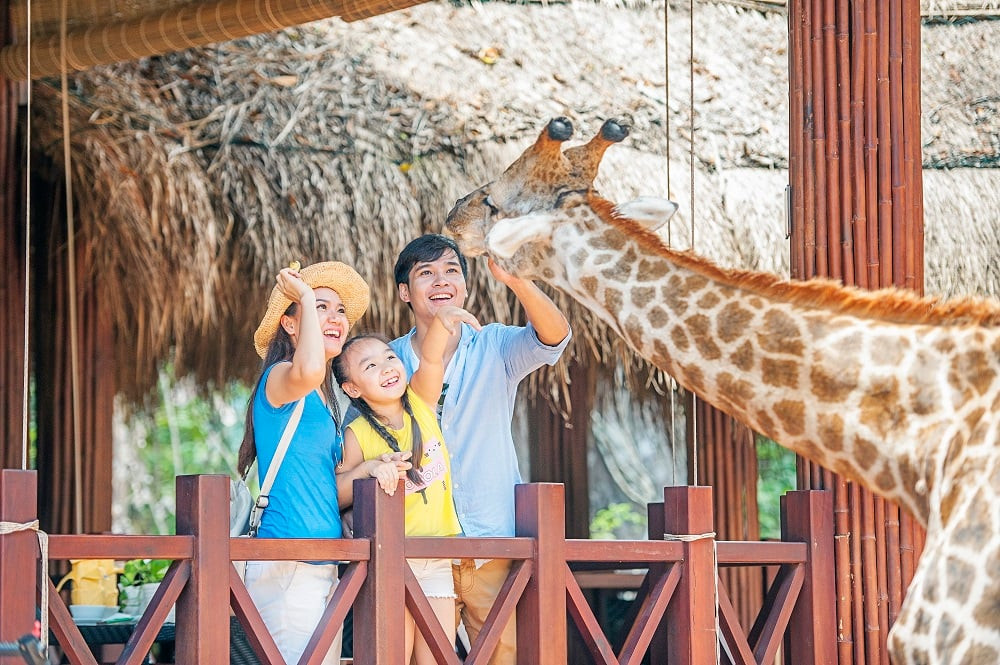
[43, 549]
[688, 537]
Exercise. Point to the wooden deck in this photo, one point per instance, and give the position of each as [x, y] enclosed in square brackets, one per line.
[679, 592]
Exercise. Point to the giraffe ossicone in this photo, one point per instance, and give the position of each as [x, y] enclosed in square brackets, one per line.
[896, 392]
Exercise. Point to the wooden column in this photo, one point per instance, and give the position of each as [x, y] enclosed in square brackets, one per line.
[203, 606]
[379, 608]
[690, 616]
[541, 614]
[805, 517]
[12, 260]
[856, 215]
[18, 555]
[55, 398]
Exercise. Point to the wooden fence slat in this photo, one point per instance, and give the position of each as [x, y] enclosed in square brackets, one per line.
[501, 612]
[590, 630]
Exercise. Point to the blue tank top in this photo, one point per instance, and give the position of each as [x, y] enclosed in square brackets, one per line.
[303, 498]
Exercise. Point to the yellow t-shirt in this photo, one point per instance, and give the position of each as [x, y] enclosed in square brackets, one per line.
[430, 510]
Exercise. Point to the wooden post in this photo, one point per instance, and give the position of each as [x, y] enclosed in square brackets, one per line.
[690, 616]
[18, 555]
[541, 615]
[812, 631]
[203, 605]
[379, 608]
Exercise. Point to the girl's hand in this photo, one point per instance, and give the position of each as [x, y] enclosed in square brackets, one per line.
[292, 286]
[452, 318]
[386, 474]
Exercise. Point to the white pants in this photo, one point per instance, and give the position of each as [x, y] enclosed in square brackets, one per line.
[291, 597]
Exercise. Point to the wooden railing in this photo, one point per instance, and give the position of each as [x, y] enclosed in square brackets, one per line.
[675, 611]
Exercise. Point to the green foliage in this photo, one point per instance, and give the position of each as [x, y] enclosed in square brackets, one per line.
[143, 571]
[618, 521]
[775, 476]
[184, 432]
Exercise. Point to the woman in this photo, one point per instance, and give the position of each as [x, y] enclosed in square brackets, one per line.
[309, 314]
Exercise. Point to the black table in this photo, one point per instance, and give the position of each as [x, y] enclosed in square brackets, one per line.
[100, 634]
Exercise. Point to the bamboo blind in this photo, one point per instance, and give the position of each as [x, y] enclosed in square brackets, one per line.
[855, 173]
[114, 38]
[944, 8]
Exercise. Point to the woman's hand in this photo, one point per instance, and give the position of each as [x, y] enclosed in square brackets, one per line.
[292, 286]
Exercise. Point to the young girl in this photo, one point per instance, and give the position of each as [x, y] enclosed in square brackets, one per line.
[398, 418]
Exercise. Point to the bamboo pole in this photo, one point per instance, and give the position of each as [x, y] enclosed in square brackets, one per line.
[831, 120]
[881, 576]
[843, 542]
[796, 163]
[847, 188]
[179, 28]
[859, 202]
[809, 154]
[901, 241]
[871, 142]
[884, 147]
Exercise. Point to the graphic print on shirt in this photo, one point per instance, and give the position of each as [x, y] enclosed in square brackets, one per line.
[432, 469]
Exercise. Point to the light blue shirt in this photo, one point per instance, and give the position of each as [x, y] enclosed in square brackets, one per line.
[481, 382]
[303, 498]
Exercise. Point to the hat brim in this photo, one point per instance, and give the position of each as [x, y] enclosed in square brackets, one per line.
[340, 277]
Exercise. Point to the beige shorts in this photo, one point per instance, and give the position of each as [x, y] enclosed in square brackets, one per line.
[434, 576]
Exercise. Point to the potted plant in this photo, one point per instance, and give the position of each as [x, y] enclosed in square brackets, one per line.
[138, 582]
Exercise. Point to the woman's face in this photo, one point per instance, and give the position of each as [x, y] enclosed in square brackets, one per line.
[333, 323]
[374, 372]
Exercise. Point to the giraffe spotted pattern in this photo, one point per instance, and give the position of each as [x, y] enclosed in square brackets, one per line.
[898, 393]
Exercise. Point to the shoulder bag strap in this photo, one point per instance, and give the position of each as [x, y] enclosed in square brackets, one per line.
[279, 455]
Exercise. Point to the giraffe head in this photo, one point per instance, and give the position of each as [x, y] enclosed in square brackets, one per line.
[514, 217]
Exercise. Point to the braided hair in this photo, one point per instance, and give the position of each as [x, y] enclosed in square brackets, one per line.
[359, 403]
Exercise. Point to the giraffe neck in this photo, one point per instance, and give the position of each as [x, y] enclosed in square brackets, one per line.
[823, 382]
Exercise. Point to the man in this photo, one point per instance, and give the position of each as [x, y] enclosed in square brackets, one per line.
[482, 371]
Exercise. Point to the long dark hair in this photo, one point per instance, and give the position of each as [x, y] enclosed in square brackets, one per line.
[281, 349]
[340, 375]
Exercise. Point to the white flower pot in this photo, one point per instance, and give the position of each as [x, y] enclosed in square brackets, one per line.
[146, 592]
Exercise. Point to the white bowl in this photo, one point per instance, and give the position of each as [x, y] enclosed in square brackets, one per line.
[91, 612]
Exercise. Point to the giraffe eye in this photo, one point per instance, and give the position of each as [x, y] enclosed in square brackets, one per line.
[488, 202]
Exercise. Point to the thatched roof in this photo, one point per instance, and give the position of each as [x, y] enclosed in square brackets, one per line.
[200, 173]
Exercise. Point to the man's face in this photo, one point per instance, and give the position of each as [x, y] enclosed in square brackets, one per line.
[433, 284]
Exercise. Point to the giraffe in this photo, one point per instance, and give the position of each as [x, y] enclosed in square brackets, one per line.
[896, 392]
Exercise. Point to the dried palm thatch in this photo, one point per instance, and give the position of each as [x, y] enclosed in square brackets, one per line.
[202, 172]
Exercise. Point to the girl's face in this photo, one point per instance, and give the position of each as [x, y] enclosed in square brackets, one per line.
[374, 372]
[333, 323]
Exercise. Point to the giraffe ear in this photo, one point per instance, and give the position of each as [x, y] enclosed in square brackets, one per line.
[510, 234]
[648, 211]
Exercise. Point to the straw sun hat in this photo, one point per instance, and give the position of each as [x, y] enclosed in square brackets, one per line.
[340, 277]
